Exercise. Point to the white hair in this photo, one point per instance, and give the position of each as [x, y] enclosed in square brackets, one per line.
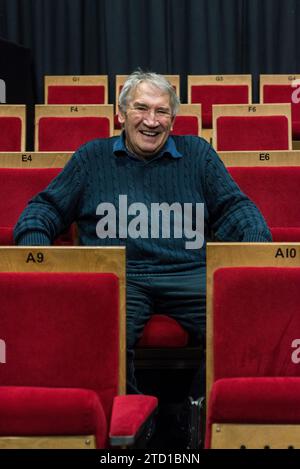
[139, 76]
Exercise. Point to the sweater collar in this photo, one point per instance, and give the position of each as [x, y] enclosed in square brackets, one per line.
[119, 148]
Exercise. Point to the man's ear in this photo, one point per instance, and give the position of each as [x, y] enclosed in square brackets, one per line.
[121, 117]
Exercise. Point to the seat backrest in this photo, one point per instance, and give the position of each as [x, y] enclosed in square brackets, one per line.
[273, 190]
[21, 187]
[12, 127]
[80, 89]
[67, 308]
[188, 120]
[283, 89]
[65, 128]
[252, 310]
[279, 208]
[218, 89]
[254, 331]
[163, 331]
[17, 187]
[258, 127]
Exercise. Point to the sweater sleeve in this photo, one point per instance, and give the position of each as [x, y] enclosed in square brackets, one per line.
[54, 209]
[233, 216]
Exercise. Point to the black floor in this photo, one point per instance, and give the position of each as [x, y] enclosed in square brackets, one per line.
[172, 389]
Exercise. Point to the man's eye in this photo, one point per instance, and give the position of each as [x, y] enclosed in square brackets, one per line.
[163, 112]
[141, 108]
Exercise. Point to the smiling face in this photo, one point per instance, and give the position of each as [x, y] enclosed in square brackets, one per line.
[147, 121]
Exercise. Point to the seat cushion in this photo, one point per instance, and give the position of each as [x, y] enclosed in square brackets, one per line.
[254, 400]
[283, 234]
[163, 331]
[32, 411]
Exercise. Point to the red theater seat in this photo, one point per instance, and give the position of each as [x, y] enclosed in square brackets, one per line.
[69, 133]
[64, 128]
[163, 331]
[273, 190]
[12, 128]
[11, 133]
[57, 386]
[164, 345]
[17, 187]
[188, 120]
[282, 89]
[218, 89]
[283, 94]
[75, 95]
[249, 128]
[81, 89]
[252, 133]
[213, 94]
[256, 376]
[185, 125]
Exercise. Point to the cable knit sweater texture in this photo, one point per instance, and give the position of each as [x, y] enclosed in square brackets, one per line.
[97, 173]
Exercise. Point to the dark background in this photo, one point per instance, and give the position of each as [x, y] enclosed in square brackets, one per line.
[168, 36]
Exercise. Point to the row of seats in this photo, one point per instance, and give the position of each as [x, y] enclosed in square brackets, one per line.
[204, 89]
[253, 345]
[257, 174]
[219, 396]
[87, 89]
[65, 128]
[23, 175]
[252, 348]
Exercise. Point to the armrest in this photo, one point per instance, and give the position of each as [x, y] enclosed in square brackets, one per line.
[130, 415]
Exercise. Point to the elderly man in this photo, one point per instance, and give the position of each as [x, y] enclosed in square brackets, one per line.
[158, 195]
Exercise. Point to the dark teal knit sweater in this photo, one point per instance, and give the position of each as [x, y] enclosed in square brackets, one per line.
[188, 171]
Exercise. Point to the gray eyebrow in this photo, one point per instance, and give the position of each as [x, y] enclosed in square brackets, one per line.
[140, 103]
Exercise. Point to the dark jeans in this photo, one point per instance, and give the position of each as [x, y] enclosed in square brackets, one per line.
[180, 296]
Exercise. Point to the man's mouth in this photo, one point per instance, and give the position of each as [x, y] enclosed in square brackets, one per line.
[149, 133]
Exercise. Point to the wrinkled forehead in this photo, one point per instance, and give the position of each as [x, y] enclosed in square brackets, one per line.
[149, 93]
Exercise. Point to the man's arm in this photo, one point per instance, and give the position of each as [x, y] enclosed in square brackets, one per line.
[53, 210]
[233, 216]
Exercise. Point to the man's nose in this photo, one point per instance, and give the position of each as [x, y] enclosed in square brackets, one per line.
[150, 118]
